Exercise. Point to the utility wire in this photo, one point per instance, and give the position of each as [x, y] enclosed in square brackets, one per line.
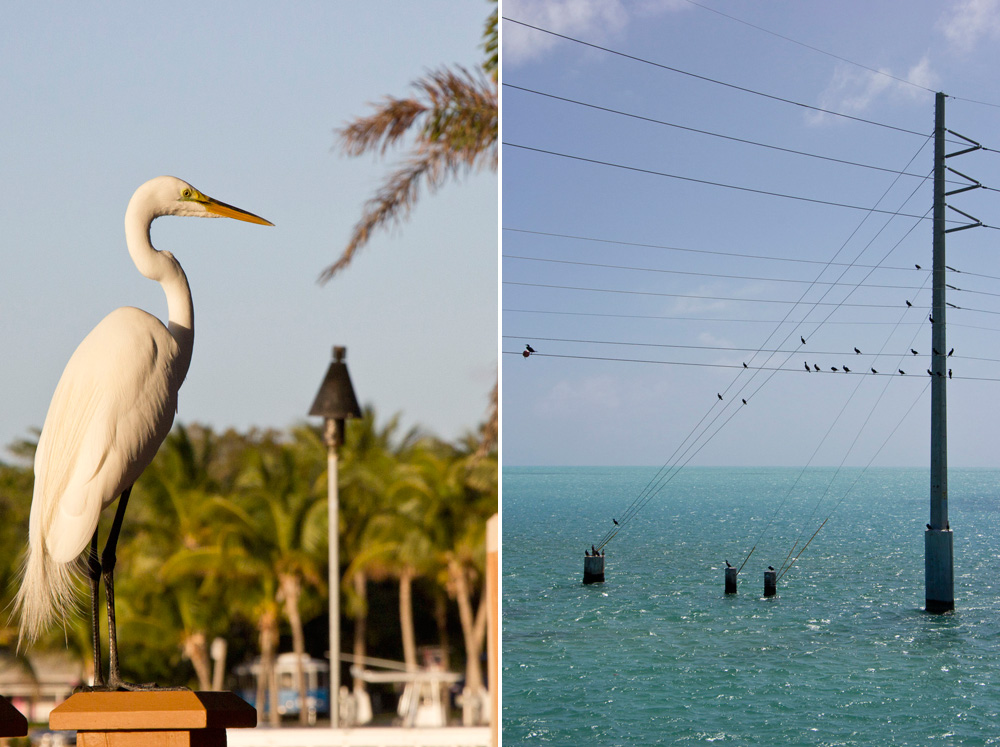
[730, 348]
[721, 348]
[713, 80]
[728, 254]
[842, 59]
[814, 49]
[699, 297]
[712, 134]
[653, 172]
[734, 366]
[632, 268]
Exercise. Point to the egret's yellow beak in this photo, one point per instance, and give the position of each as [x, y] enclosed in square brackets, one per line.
[228, 211]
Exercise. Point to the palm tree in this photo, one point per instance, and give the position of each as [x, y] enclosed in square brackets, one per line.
[370, 472]
[283, 525]
[461, 494]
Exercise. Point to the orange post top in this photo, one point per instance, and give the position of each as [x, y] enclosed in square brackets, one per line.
[158, 711]
[12, 723]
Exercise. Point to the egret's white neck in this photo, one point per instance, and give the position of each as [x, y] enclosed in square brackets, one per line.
[164, 269]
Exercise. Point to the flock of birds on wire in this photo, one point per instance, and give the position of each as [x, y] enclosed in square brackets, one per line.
[528, 351]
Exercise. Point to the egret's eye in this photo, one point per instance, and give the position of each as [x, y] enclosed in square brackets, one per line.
[186, 194]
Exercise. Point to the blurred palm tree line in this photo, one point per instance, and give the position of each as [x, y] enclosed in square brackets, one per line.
[227, 537]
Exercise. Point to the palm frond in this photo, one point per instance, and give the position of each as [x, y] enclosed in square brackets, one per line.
[459, 123]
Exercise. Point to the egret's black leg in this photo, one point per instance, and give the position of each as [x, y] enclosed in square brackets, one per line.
[94, 575]
[108, 560]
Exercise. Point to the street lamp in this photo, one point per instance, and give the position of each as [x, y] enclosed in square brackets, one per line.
[335, 402]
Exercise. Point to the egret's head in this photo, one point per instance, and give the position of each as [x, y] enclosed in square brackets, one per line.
[168, 195]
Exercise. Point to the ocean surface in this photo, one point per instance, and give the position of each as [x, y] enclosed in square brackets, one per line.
[659, 654]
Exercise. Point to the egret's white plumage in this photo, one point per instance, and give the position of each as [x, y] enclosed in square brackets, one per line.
[111, 410]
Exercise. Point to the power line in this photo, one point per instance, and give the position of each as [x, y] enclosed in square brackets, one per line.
[738, 367]
[722, 348]
[705, 274]
[713, 134]
[713, 80]
[814, 49]
[704, 298]
[741, 255]
[661, 317]
[734, 277]
[713, 184]
[843, 59]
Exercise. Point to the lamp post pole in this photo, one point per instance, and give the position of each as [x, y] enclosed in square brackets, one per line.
[335, 402]
[332, 436]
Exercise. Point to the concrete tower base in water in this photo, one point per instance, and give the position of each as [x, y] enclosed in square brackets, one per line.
[939, 570]
[593, 569]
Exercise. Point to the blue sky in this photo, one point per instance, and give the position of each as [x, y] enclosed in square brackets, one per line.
[644, 289]
[241, 100]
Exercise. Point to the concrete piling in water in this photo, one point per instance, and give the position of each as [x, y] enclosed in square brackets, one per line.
[731, 574]
[593, 569]
[770, 583]
[939, 570]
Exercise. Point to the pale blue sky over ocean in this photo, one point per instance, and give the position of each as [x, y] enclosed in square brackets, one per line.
[241, 100]
[653, 243]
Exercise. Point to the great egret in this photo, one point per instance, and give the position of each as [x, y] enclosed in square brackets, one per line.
[111, 410]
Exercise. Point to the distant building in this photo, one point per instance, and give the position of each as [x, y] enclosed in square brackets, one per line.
[38, 682]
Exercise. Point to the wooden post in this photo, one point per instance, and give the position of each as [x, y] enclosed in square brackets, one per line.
[12, 723]
[493, 594]
[731, 574]
[172, 718]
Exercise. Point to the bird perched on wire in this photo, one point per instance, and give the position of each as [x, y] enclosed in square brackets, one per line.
[719, 396]
[528, 349]
[111, 410]
[902, 372]
[914, 351]
[846, 369]
[803, 339]
[816, 366]
[857, 352]
[807, 367]
[873, 370]
[950, 352]
[908, 304]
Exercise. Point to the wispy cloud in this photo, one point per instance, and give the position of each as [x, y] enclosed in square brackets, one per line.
[854, 90]
[970, 21]
[595, 20]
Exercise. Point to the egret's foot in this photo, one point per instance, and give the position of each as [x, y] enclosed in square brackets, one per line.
[119, 686]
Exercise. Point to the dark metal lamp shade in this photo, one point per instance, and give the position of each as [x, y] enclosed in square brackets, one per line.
[335, 399]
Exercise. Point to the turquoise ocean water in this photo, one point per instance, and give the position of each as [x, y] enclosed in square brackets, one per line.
[658, 654]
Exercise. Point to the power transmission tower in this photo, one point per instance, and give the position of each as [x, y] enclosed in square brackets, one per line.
[939, 570]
